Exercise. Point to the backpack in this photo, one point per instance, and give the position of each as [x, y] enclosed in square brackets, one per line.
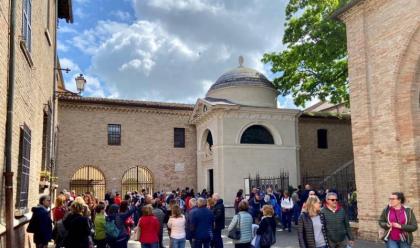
[111, 229]
[268, 238]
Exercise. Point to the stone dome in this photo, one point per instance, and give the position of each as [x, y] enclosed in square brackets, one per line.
[241, 76]
[244, 86]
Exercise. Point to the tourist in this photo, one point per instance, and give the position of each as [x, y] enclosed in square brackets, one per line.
[193, 206]
[239, 197]
[306, 193]
[160, 215]
[119, 217]
[312, 231]
[255, 205]
[201, 224]
[100, 234]
[177, 225]
[219, 221]
[129, 221]
[296, 205]
[149, 228]
[398, 221]
[243, 221]
[338, 227]
[267, 227]
[210, 203]
[287, 211]
[78, 226]
[117, 199]
[40, 224]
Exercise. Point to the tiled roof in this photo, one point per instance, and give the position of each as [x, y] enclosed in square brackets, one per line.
[125, 103]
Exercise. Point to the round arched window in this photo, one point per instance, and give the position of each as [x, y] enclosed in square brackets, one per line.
[257, 134]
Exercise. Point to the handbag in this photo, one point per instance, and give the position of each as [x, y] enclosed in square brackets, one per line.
[235, 233]
[255, 243]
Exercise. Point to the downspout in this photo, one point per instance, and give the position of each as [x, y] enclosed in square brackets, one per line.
[297, 142]
[8, 174]
[54, 102]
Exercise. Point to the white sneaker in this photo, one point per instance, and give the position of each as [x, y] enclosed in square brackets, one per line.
[281, 230]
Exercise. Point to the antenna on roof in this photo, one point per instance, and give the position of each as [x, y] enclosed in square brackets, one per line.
[241, 61]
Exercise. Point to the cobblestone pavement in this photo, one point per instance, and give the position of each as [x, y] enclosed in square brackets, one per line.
[284, 240]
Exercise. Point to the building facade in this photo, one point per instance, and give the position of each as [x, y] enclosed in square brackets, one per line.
[235, 132]
[33, 106]
[383, 42]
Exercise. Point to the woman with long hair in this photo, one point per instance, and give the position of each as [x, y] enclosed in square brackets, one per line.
[177, 225]
[398, 222]
[312, 232]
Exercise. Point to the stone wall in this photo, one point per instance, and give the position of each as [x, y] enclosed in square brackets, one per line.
[383, 40]
[147, 140]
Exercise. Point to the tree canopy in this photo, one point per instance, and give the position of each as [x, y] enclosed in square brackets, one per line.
[314, 63]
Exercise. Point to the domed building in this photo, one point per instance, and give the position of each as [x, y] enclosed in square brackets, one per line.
[242, 132]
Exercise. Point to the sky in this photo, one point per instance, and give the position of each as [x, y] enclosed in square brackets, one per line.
[166, 50]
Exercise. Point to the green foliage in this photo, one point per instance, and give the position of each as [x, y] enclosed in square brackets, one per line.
[314, 63]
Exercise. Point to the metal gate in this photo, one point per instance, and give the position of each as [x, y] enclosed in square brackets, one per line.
[88, 179]
[278, 183]
[136, 179]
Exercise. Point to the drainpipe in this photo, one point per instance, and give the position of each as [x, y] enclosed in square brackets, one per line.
[298, 148]
[54, 94]
[8, 174]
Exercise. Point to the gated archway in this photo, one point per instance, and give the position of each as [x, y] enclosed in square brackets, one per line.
[136, 179]
[88, 179]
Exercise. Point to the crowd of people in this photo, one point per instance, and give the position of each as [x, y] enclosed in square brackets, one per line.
[81, 221]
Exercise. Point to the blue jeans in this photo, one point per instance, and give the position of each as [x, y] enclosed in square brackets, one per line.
[177, 243]
[397, 244]
[152, 245]
[287, 219]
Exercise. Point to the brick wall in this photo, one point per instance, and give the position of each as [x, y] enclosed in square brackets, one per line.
[147, 140]
[33, 89]
[316, 162]
[383, 39]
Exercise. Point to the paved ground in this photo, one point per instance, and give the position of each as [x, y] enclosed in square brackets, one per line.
[284, 240]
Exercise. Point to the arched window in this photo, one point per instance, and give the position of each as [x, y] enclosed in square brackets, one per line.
[257, 134]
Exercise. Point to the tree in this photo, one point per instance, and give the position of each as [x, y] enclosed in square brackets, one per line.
[314, 63]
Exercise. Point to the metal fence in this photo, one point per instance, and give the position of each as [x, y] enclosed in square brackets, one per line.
[342, 181]
[277, 183]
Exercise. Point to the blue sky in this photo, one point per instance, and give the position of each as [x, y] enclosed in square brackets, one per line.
[166, 50]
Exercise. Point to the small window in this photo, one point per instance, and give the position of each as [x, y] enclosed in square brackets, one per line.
[24, 166]
[27, 23]
[114, 134]
[46, 139]
[179, 137]
[322, 139]
[257, 134]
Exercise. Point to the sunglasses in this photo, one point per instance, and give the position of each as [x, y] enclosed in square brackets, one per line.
[333, 200]
[391, 199]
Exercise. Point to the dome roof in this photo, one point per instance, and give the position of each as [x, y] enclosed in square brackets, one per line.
[241, 76]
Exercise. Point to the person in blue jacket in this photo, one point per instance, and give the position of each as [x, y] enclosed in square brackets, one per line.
[41, 224]
[201, 225]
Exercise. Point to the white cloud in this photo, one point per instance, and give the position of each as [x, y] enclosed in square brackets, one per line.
[121, 15]
[178, 47]
[68, 63]
[62, 47]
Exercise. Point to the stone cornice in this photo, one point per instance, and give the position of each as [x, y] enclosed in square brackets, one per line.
[127, 109]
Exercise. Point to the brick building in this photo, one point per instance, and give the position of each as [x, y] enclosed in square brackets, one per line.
[383, 42]
[33, 105]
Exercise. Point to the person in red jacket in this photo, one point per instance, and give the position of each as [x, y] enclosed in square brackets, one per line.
[117, 199]
[149, 228]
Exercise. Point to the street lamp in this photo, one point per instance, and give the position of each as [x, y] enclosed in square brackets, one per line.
[80, 83]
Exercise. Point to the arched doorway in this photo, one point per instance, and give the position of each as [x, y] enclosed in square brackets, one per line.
[136, 179]
[88, 179]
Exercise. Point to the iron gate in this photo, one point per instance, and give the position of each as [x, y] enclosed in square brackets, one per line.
[88, 179]
[278, 183]
[136, 179]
